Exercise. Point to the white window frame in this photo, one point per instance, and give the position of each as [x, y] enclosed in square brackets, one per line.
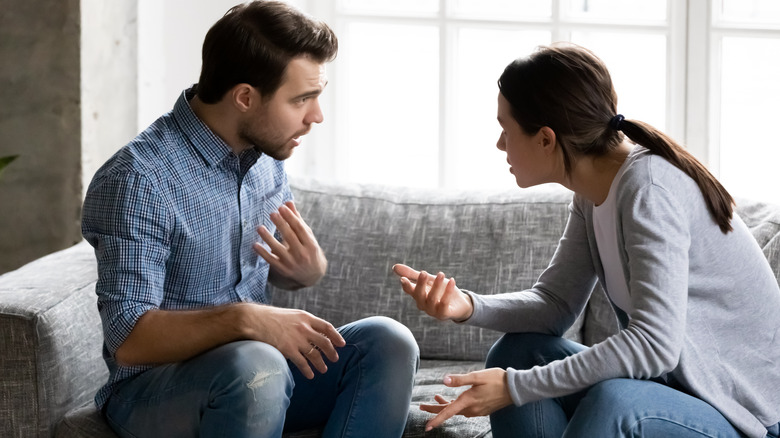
[694, 37]
[320, 160]
[706, 32]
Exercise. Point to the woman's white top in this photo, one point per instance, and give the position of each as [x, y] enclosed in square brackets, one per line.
[605, 229]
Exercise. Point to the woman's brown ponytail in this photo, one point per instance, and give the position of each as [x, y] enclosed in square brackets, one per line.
[719, 201]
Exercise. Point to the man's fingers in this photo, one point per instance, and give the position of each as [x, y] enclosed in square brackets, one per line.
[333, 335]
[291, 206]
[314, 356]
[325, 345]
[272, 259]
[275, 246]
[289, 236]
[297, 225]
[302, 364]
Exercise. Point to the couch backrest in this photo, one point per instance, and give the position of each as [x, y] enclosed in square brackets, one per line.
[763, 219]
[50, 333]
[489, 241]
[51, 341]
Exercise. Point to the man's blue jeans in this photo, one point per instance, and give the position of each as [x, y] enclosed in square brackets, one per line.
[613, 408]
[248, 389]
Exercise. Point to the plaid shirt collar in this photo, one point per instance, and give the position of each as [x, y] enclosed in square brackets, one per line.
[210, 146]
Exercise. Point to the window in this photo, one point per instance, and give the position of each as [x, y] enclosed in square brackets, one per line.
[413, 97]
[744, 91]
[412, 94]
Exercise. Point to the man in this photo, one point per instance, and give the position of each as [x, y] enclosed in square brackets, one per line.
[192, 346]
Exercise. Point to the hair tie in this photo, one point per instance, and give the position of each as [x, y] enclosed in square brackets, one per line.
[616, 122]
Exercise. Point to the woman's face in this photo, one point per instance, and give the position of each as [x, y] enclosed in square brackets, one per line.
[529, 161]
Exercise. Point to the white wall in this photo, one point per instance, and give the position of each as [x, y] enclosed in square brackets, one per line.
[109, 85]
[170, 37]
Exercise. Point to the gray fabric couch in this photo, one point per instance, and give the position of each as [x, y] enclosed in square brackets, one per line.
[50, 334]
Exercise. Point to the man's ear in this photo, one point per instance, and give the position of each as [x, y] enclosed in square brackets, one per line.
[547, 139]
[243, 97]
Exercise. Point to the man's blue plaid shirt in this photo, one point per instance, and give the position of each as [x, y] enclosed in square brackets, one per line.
[173, 217]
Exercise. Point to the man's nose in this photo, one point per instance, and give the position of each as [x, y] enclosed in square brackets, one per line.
[315, 114]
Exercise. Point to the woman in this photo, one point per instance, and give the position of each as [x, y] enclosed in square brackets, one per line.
[699, 347]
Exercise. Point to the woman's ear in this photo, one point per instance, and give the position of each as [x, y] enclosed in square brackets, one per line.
[547, 139]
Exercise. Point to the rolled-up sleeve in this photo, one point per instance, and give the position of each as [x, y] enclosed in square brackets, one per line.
[127, 222]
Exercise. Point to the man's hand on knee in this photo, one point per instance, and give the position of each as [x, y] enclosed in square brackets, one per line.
[300, 336]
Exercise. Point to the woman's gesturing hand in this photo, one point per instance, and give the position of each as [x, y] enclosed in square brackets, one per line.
[488, 393]
[435, 295]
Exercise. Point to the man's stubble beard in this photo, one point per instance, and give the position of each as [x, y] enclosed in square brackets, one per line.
[263, 146]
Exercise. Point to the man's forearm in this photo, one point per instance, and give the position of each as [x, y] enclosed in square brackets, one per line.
[166, 336]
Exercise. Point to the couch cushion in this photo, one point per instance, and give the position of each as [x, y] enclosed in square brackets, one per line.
[427, 385]
[51, 337]
[489, 241]
[84, 422]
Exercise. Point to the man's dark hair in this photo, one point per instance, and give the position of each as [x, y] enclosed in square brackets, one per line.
[254, 42]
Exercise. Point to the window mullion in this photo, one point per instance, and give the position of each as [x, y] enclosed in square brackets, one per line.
[556, 22]
[446, 53]
[698, 105]
[677, 68]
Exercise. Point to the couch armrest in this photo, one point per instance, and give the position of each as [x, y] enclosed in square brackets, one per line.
[51, 341]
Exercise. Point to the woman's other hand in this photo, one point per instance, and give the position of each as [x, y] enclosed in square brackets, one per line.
[489, 392]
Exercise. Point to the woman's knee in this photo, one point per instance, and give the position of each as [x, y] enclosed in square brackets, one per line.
[526, 350]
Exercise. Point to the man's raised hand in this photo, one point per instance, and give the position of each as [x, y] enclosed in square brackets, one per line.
[298, 260]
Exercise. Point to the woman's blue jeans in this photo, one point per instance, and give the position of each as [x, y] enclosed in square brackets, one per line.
[248, 389]
[613, 408]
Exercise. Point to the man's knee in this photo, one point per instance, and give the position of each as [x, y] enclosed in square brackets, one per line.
[255, 371]
[390, 339]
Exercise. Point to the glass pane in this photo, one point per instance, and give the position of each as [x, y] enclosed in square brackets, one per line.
[633, 10]
[391, 122]
[639, 76]
[481, 56]
[384, 7]
[749, 95]
[500, 9]
[751, 11]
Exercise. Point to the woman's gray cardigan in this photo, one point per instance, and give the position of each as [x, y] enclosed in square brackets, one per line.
[707, 305]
